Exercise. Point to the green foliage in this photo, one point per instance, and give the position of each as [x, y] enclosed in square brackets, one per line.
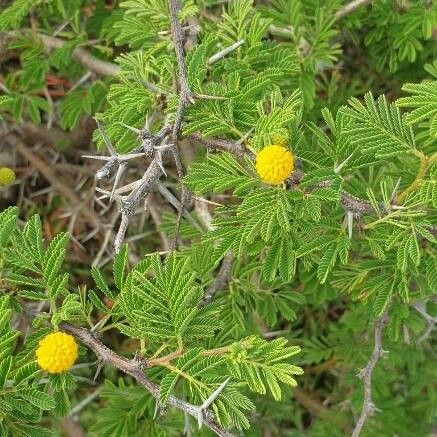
[22, 401]
[350, 235]
[157, 301]
[424, 100]
[12, 16]
[165, 308]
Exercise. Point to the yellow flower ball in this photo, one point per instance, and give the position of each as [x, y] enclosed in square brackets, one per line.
[274, 164]
[57, 352]
[7, 176]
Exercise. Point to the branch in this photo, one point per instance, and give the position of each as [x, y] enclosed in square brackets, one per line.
[349, 202]
[185, 98]
[317, 408]
[135, 368]
[141, 188]
[50, 43]
[214, 144]
[355, 204]
[366, 375]
[351, 7]
[178, 41]
[221, 279]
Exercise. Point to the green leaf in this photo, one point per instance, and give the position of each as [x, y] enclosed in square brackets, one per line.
[326, 263]
[101, 283]
[54, 257]
[5, 367]
[119, 266]
[38, 398]
[26, 372]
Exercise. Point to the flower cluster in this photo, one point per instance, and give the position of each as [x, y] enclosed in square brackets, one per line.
[7, 176]
[274, 164]
[57, 352]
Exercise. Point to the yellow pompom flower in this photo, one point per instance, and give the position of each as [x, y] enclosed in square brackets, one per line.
[7, 176]
[57, 352]
[274, 164]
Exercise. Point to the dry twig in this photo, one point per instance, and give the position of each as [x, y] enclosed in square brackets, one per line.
[185, 98]
[366, 375]
[221, 279]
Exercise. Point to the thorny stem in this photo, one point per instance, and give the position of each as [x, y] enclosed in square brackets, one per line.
[135, 368]
[185, 98]
[221, 279]
[366, 375]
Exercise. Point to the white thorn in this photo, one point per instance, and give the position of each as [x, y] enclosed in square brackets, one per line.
[222, 53]
[158, 159]
[215, 394]
[395, 190]
[128, 187]
[105, 137]
[118, 175]
[98, 157]
[164, 147]
[209, 401]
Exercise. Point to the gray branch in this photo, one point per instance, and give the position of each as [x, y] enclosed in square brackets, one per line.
[366, 375]
[185, 98]
[214, 144]
[349, 202]
[221, 279]
[135, 368]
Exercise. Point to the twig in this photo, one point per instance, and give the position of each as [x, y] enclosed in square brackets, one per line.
[135, 368]
[316, 408]
[141, 188]
[425, 163]
[355, 204]
[214, 144]
[185, 98]
[351, 7]
[366, 375]
[349, 202]
[178, 41]
[221, 279]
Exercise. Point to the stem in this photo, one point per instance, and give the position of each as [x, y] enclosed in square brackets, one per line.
[425, 164]
[135, 368]
[366, 375]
